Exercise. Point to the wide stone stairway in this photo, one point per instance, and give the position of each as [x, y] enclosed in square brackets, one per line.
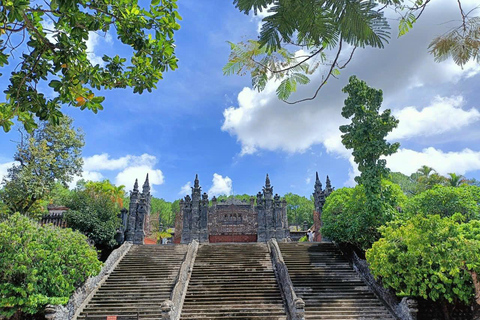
[233, 281]
[331, 289]
[142, 280]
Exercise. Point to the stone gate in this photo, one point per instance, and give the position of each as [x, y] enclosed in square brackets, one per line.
[258, 220]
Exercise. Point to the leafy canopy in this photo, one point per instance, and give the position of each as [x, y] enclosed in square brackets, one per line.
[52, 37]
[40, 265]
[297, 37]
[94, 212]
[429, 257]
[366, 135]
[347, 220]
[49, 154]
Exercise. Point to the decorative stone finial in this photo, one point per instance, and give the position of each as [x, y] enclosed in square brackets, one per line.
[196, 184]
[318, 184]
[135, 186]
[267, 182]
[328, 185]
[146, 186]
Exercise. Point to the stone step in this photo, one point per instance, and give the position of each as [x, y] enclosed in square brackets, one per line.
[233, 282]
[327, 283]
[138, 285]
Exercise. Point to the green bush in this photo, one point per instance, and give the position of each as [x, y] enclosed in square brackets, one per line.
[40, 265]
[95, 215]
[429, 257]
[446, 201]
[346, 220]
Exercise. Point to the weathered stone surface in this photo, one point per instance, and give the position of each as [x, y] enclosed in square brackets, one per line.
[181, 285]
[82, 295]
[232, 220]
[295, 305]
[406, 309]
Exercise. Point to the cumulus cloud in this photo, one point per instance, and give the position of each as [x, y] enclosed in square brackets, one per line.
[220, 186]
[128, 175]
[186, 189]
[130, 167]
[87, 176]
[408, 161]
[442, 115]
[94, 40]
[3, 169]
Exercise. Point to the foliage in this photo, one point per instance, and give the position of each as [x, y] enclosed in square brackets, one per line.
[241, 197]
[429, 257]
[456, 180]
[48, 155]
[106, 187]
[40, 265]
[299, 209]
[95, 215]
[366, 135]
[314, 26]
[346, 217]
[408, 184]
[303, 239]
[446, 201]
[53, 38]
[297, 37]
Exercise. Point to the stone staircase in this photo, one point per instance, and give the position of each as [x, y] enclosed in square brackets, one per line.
[233, 281]
[331, 289]
[142, 280]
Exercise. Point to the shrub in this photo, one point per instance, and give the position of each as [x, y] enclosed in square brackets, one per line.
[429, 257]
[446, 201]
[40, 265]
[345, 218]
[95, 215]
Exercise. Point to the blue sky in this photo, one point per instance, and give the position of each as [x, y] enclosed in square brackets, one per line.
[199, 121]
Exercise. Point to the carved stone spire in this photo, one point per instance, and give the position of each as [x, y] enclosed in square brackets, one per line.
[196, 184]
[268, 189]
[135, 186]
[328, 187]
[146, 186]
[318, 184]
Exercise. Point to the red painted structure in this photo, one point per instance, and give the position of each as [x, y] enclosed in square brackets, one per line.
[232, 238]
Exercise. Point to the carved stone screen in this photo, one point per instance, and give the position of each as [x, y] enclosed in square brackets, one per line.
[232, 223]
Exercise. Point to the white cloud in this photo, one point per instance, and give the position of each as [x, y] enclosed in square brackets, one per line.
[128, 175]
[442, 115]
[408, 161]
[186, 189]
[307, 180]
[131, 167]
[220, 186]
[87, 176]
[103, 162]
[3, 169]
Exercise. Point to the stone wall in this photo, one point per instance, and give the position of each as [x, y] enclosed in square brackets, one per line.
[232, 219]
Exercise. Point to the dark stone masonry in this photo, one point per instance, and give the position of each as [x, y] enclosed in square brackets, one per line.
[260, 219]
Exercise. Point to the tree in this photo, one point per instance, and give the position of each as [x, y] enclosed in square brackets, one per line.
[456, 180]
[52, 37]
[366, 136]
[299, 209]
[429, 257]
[40, 265]
[408, 184]
[117, 194]
[95, 214]
[48, 155]
[322, 30]
[346, 218]
[446, 201]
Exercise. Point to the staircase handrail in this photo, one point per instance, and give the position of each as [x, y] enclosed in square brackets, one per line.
[171, 309]
[295, 305]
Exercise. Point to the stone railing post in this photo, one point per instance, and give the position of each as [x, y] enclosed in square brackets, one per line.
[173, 307]
[295, 305]
[167, 310]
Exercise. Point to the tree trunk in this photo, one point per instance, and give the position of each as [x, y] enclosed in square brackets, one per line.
[476, 303]
[446, 313]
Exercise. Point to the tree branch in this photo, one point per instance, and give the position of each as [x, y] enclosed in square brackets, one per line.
[334, 63]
